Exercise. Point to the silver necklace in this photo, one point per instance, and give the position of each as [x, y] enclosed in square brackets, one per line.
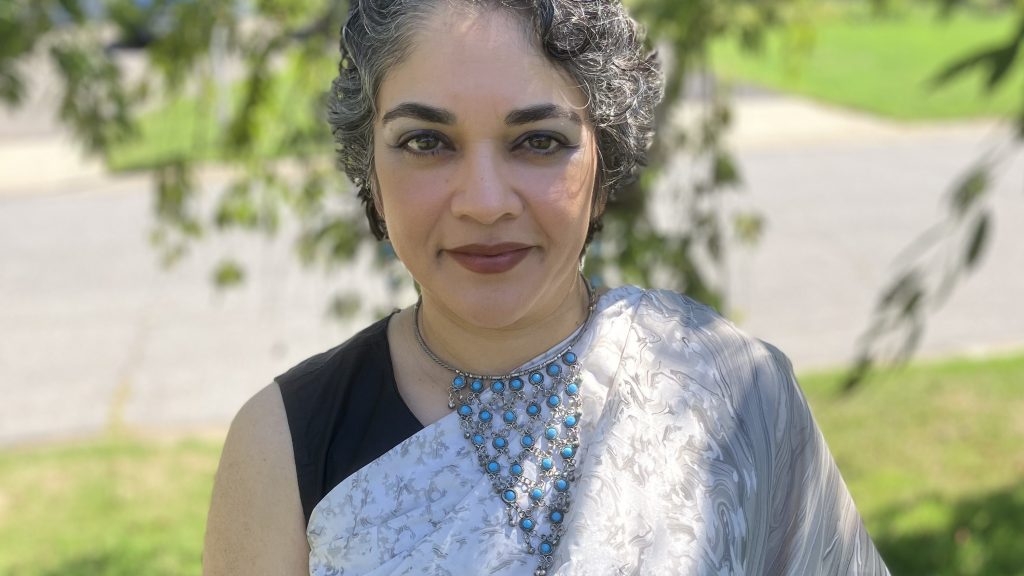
[524, 428]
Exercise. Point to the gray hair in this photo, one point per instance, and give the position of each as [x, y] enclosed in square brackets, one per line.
[594, 41]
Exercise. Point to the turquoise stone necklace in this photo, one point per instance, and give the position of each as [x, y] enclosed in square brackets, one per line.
[524, 429]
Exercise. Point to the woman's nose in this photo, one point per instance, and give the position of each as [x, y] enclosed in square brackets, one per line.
[483, 190]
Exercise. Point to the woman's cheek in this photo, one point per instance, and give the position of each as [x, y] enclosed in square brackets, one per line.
[572, 188]
[553, 184]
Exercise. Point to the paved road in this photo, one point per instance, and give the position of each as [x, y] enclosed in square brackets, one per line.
[840, 212]
[94, 334]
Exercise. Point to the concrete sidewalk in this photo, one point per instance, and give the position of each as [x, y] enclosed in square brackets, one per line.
[45, 164]
[94, 334]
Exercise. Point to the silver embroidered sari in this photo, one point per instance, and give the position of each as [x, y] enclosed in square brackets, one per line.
[698, 455]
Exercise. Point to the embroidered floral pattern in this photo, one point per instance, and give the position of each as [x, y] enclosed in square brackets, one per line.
[698, 456]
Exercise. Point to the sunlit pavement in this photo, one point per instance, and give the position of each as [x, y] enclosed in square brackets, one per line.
[844, 195]
[94, 334]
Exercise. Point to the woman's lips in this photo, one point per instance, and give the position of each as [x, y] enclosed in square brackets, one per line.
[489, 259]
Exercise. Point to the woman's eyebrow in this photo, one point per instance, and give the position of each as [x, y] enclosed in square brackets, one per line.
[541, 112]
[419, 112]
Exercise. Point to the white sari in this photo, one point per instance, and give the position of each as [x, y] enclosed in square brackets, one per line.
[698, 455]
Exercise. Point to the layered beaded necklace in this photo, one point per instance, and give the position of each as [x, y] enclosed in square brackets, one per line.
[524, 428]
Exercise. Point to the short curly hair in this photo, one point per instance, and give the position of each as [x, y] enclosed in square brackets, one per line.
[595, 42]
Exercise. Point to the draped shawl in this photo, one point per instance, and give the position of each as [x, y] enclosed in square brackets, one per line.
[698, 455]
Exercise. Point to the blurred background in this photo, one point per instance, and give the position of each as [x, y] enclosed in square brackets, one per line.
[843, 179]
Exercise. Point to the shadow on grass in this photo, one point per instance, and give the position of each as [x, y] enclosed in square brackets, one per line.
[971, 536]
[121, 563]
[92, 564]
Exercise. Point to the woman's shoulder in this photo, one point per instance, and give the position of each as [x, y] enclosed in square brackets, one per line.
[255, 523]
[662, 305]
[682, 353]
[370, 340]
[687, 331]
[667, 303]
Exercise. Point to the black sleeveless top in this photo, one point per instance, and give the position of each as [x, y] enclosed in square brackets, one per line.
[344, 411]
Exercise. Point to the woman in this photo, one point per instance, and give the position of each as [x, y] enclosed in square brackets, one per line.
[513, 421]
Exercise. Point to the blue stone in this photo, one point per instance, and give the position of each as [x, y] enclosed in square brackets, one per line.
[533, 409]
[465, 410]
[572, 389]
[527, 440]
[545, 548]
[510, 416]
[458, 383]
[500, 443]
[536, 378]
[570, 420]
[527, 524]
[551, 433]
[478, 440]
[547, 463]
[561, 485]
[493, 467]
[554, 370]
[556, 517]
[569, 358]
[485, 416]
[508, 496]
[476, 386]
[568, 452]
[515, 384]
[516, 469]
[554, 400]
[536, 494]
[498, 386]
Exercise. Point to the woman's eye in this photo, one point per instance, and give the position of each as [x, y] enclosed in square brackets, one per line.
[541, 143]
[422, 144]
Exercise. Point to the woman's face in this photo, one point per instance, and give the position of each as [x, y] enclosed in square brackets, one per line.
[485, 164]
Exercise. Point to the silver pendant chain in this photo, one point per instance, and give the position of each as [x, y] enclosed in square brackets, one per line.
[524, 428]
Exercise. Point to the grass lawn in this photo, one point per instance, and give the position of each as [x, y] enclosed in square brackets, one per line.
[194, 127]
[184, 128]
[108, 507]
[932, 455]
[883, 65]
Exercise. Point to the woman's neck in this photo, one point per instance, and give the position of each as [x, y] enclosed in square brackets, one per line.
[495, 351]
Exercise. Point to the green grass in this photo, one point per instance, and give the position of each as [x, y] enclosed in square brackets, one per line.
[107, 507]
[184, 128]
[195, 128]
[882, 65]
[932, 455]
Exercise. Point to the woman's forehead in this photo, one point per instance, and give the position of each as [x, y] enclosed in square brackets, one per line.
[477, 59]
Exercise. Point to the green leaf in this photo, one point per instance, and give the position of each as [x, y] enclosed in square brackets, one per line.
[970, 190]
[749, 227]
[998, 60]
[73, 8]
[237, 208]
[900, 290]
[12, 88]
[343, 306]
[724, 172]
[979, 239]
[228, 274]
